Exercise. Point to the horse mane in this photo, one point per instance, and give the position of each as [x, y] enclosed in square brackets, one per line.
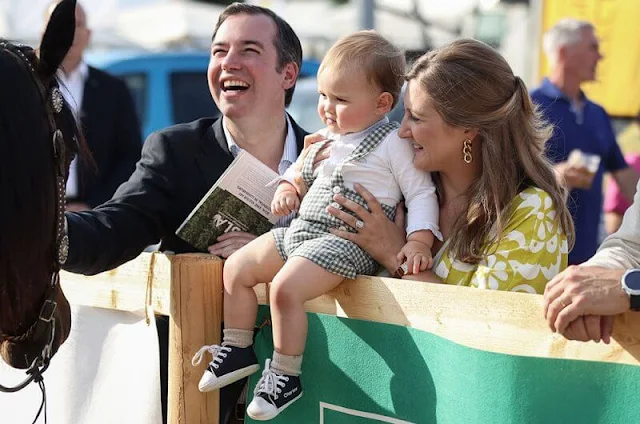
[27, 188]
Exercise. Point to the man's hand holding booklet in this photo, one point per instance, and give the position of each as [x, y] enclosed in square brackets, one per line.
[239, 201]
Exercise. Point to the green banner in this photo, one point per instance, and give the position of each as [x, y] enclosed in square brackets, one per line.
[361, 372]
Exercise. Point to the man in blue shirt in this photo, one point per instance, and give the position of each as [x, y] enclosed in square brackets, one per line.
[580, 124]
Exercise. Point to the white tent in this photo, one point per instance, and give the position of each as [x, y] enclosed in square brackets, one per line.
[155, 26]
[321, 20]
[150, 24]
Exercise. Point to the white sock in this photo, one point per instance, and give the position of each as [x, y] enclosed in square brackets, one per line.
[286, 364]
[237, 337]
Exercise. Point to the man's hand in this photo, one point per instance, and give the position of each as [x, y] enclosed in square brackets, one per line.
[583, 290]
[590, 327]
[418, 256]
[286, 200]
[230, 242]
[573, 176]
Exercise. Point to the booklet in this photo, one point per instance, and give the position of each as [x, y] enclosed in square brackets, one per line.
[239, 201]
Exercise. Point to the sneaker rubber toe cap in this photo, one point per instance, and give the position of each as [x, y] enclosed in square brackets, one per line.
[206, 381]
[260, 410]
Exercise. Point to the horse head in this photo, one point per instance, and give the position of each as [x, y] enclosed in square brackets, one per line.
[38, 139]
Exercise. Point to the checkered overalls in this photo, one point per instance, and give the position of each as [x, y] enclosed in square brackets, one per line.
[309, 237]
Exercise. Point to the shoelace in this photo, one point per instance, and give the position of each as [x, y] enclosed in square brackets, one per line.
[218, 352]
[270, 383]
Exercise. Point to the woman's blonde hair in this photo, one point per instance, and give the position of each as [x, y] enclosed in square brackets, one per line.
[471, 85]
[383, 63]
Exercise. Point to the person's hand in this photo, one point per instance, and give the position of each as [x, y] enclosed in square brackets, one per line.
[230, 242]
[418, 256]
[590, 327]
[583, 290]
[574, 176]
[310, 140]
[77, 207]
[285, 200]
[377, 235]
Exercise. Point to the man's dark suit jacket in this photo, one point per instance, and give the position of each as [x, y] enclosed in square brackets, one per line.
[112, 131]
[178, 166]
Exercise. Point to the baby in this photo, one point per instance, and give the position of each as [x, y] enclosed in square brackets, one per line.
[359, 82]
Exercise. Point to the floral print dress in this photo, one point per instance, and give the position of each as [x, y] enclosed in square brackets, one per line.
[532, 251]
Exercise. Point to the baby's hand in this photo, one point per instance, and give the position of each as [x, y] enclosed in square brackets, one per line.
[285, 200]
[417, 255]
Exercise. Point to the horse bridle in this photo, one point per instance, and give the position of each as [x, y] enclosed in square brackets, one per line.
[45, 324]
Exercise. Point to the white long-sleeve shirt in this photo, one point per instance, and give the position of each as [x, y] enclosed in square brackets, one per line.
[387, 172]
[72, 89]
[622, 249]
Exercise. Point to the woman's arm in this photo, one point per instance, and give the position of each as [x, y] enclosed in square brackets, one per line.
[379, 236]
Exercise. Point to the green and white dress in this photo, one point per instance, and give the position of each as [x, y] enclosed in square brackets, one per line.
[532, 250]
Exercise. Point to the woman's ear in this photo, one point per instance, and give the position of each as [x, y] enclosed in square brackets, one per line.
[57, 38]
[384, 103]
[471, 133]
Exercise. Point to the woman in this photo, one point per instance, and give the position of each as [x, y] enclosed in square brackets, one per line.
[502, 213]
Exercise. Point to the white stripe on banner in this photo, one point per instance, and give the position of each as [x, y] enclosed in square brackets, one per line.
[369, 415]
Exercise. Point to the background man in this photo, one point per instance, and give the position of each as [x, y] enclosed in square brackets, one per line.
[106, 112]
[579, 123]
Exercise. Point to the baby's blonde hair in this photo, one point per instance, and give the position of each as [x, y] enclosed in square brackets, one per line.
[382, 62]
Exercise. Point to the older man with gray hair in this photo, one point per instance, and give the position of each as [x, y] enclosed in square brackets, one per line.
[583, 145]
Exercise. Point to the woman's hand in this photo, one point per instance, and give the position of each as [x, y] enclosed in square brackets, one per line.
[379, 236]
[310, 140]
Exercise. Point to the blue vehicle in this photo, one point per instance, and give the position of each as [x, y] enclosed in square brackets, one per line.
[169, 87]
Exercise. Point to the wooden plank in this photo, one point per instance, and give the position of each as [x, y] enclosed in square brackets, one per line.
[502, 322]
[195, 320]
[124, 288]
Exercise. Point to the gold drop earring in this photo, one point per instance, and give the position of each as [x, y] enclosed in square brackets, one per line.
[466, 151]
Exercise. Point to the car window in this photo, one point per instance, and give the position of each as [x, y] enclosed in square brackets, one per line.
[304, 105]
[190, 97]
[137, 84]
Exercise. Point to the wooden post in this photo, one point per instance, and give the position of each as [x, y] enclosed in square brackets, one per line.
[195, 320]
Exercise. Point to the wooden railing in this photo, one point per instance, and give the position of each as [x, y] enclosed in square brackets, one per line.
[188, 288]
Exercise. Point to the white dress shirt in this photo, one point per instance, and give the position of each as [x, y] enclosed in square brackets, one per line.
[289, 156]
[72, 88]
[387, 172]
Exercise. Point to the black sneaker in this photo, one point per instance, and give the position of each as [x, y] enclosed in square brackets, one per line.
[229, 364]
[273, 394]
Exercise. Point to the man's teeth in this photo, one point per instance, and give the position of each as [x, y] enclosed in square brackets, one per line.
[234, 84]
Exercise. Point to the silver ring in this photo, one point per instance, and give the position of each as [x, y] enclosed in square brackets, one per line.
[359, 224]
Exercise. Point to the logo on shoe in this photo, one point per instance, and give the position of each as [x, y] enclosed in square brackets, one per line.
[290, 392]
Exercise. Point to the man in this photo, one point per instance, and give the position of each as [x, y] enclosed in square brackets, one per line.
[581, 301]
[255, 60]
[580, 124]
[106, 112]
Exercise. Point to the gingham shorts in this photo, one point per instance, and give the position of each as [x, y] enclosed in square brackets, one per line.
[313, 242]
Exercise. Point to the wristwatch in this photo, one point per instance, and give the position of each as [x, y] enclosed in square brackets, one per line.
[631, 286]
